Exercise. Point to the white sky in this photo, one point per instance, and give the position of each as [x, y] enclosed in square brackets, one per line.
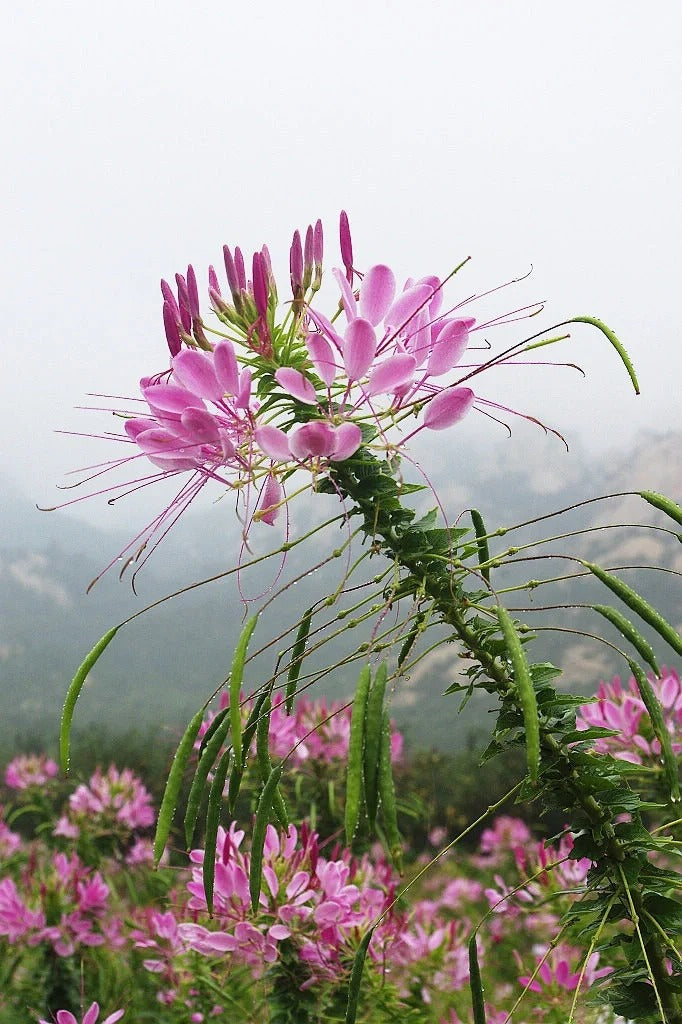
[138, 137]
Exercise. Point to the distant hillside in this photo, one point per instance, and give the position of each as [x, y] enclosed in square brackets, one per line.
[162, 665]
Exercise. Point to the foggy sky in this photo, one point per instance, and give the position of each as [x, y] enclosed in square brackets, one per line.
[139, 137]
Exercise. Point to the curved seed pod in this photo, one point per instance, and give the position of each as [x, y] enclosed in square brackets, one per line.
[526, 691]
[356, 977]
[389, 812]
[618, 345]
[259, 829]
[206, 762]
[638, 605]
[236, 776]
[475, 983]
[667, 505]
[410, 639]
[74, 692]
[215, 724]
[481, 542]
[297, 659]
[264, 763]
[374, 716]
[643, 648]
[173, 783]
[252, 725]
[236, 676]
[355, 755]
[652, 704]
[215, 800]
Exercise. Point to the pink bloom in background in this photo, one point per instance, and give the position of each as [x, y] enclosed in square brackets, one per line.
[113, 797]
[561, 970]
[29, 770]
[91, 1016]
[620, 707]
[10, 841]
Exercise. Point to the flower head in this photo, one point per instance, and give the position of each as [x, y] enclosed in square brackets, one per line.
[91, 1016]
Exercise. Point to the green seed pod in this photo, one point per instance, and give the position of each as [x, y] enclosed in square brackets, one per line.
[638, 605]
[374, 716]
[215, 801]
[526, 691]
[173, 783]
[206, 762]
[643, 648]
[475, 983]
[356, 978]
[389, 811]
[481, 542]
[667, 505]
[653, 706]
[297, 659]
[259, 829]
[236, 677]
[264, 763]
[74, 692]
[354, 773]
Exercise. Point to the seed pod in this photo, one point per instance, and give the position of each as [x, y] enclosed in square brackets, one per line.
[618, 345]
[206, 762]
[251, 726]
[259, 829]
[215, 724]
[526, 692]
[297, 659]
[643, 648]
[354, 773]
[215, 800]
[638, 605]
[374, 716]
[264, 763]
[389, 812]
[481, 542]
[173, 783]
[652, 704]
[475, 983]
[667, 505]
[410, 639]
[356, 978]
[74, 692]
[236, 676]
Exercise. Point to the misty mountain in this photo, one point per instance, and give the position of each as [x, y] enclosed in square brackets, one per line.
[164, 663]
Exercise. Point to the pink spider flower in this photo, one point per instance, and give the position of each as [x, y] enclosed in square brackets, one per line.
[111, 799]
[620, 707]
[28, 770]
[560, 971]
[91, 1016]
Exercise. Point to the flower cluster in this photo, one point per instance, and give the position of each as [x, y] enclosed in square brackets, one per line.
[112, 802]
[620, 707]
[254, 392]
[30, 770]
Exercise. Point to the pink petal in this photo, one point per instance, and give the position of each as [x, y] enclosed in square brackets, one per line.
[316, 438]
[406, 305]
[449, 347]
[348, 440]
[324, 325]
[296, 384]
[225, 366]
[162, 444]
[437, 300]
[376, 293]
[244, 393]
[171, 398]
[195, 371]
[448, 407]
[133, 427]
[274, 442]
[347, 297]
[359, 348]
[390, 374]
[278, 932]
[113, 1017]
[271, 496]
[322, 357]
[66, 1017]
[200, 425]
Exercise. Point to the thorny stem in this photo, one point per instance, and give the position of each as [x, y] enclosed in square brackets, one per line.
[437, 584]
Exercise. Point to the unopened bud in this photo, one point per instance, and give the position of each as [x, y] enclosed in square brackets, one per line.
[346, 245]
